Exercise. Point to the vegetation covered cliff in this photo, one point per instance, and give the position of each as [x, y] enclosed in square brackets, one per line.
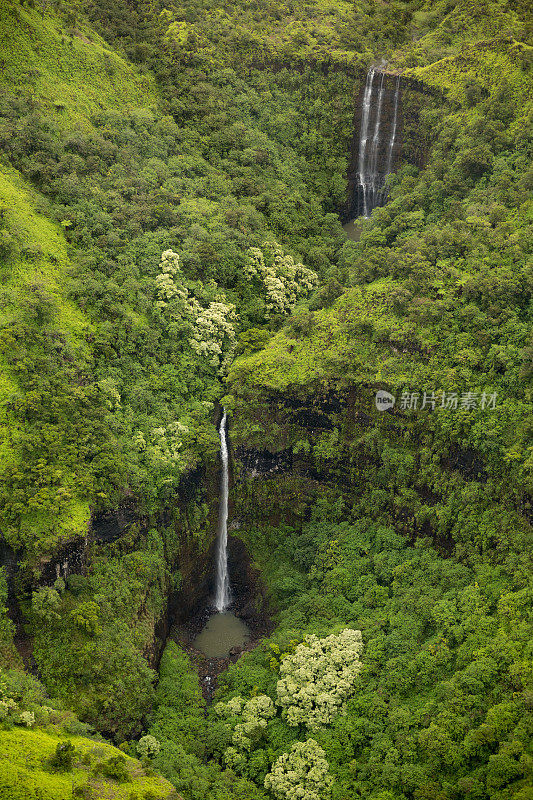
[170, 186]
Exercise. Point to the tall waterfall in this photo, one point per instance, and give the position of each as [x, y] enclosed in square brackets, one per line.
[374, 150]
[392, 140]
[377, 139]
[222, 592]
[363, 138]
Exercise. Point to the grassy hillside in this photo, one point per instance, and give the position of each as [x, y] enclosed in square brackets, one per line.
[471, 49]
[35, 270]
[48, 754]
[58, 62]
[64, 64]
[24, 774]
[37, 256]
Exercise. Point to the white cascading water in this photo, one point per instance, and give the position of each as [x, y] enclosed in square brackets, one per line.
[222, 591]
[375, 184]
[363, 138]
[392, 140]
[371, 178]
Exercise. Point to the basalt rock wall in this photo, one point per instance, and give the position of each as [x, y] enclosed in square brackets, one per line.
[411, 143]
[190, 525]
[335, 447]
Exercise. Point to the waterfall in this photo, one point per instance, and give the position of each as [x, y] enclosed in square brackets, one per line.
[392, 140]
[375, 153]
[222, 592]
[363, 138]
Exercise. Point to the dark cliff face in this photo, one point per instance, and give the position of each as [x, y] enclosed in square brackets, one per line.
[110, 526]
[257, 463]
[336, 446]
[411, 145]
[122, 530]
[344, 458]
[280, 481]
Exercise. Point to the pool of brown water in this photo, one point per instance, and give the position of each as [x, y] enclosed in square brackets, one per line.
[352, 229]
[222, 632]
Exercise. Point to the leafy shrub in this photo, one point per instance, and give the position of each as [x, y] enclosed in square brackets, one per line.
[46, 603]
[27, 718]
[62, 759]
[115, 768]
[318, 677]
[86, 618]
[301, 774]
[77, 584]
[283, 281]
[252, 340]
[148, 747]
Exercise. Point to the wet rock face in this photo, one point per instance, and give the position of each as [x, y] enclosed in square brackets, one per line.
[9, 563]
[466, 461]
[314, 413]
[261, 463]
[110, 525]
[410, 145]
[197, 591]
[246, 586]
[249, 603]
[70, 559]
[197, 583]
[248, 598]
[268, 479]
[8, 557]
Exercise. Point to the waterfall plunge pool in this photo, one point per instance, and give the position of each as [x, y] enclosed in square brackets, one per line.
[223, 632]
[353, 229]
[223, 621]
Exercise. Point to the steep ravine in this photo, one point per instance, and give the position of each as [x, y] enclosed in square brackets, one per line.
[188, 527]
[193, 513]
[246, 599]
[124, 528]
[250, 604]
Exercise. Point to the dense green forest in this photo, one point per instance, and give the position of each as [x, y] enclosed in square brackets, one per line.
[172, 189]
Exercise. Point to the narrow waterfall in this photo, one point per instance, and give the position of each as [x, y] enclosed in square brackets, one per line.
[377, 139]
[222, 591]
[363, 138]
[392, 140]
[374, 152]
